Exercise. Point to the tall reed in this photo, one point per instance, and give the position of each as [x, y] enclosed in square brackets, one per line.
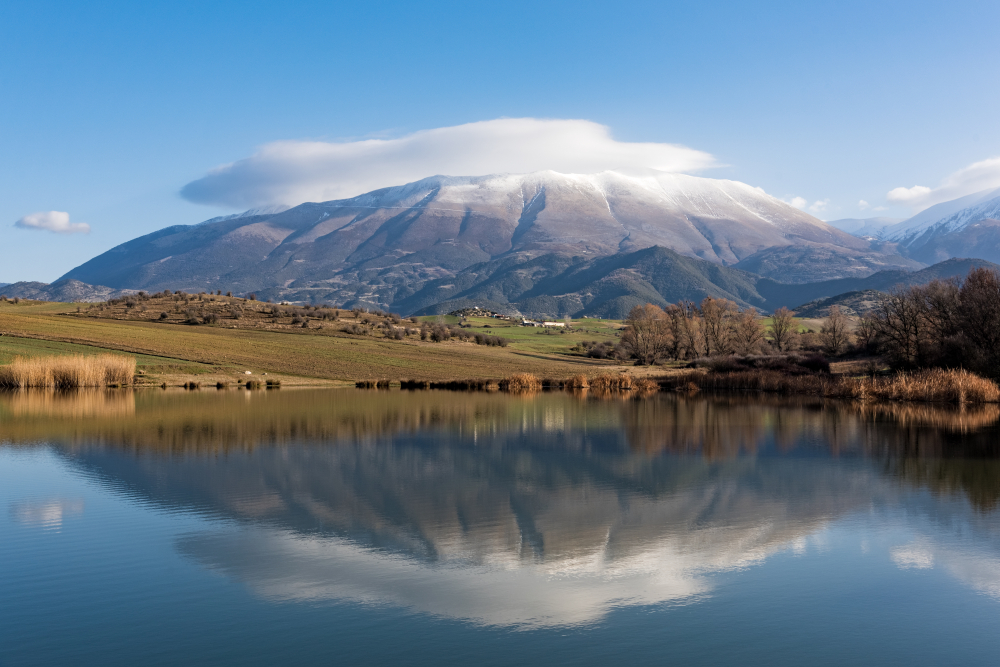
[520, 382]
[68, 372]
[930, 386]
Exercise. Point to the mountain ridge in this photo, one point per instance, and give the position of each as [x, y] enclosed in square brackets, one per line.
[380, 248]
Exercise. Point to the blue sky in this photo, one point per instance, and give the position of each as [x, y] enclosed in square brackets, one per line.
[110, 109]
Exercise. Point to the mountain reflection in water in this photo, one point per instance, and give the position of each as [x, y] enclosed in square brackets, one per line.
[521, 511]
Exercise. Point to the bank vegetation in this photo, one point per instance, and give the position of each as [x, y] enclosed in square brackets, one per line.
[69, 372]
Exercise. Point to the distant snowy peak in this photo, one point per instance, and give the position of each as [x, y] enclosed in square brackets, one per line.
[946, 217]
[989, 210]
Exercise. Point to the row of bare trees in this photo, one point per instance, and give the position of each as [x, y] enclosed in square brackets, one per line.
[945, 323]
[717, 327]
[948, 323]
[686, 330]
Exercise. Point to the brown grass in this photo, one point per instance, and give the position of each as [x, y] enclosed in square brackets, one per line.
[292, 351]
[520, 382]
[930, 386]
[68, 372]
[621, 382]
[577, 382]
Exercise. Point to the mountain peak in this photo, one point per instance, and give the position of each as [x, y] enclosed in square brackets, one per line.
[381, 246]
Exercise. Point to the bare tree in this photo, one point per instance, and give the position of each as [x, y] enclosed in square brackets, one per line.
[940, 304]
[899, 324]
[718, 324]
[864, 333]
[685, 328]
[782, 328]
[834, 332]
[979, 317]
[647, 334]
[748, 332]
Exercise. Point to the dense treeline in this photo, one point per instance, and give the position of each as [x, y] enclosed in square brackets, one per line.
[945, 324]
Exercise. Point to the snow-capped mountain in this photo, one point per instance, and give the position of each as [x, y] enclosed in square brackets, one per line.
[946, 217]
[382, 246]
[964, 227]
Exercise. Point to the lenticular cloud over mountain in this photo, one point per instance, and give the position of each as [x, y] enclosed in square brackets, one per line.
[292, 172]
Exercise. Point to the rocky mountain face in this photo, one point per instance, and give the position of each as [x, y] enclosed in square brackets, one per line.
[389, 247]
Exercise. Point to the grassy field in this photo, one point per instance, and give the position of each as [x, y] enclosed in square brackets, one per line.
[171, 351]
[210, 338]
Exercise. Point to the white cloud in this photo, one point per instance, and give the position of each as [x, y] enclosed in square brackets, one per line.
[908, 195]
[863, 205]
[292, 172]
[977, 177]
[820, 205]
[52, 221]
[798, 202]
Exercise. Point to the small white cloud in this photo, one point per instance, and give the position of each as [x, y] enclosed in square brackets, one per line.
[979, 176]
[798, 202]
[292, 172]
[863, 205]
[820, 205]
[52, 221]
[908, 195]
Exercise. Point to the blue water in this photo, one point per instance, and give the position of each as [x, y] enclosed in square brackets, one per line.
[549, 530]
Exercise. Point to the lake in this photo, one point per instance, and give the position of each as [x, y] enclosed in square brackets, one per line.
[437, 528]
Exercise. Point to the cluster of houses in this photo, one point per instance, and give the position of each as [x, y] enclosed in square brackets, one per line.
[476, 311]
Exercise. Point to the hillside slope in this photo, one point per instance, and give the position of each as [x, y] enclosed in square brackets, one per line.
[555, 286]
[782, 294]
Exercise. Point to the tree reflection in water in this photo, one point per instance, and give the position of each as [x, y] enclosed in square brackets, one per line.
[535, 509]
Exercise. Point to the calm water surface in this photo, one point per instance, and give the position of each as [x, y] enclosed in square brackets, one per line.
[429, 528]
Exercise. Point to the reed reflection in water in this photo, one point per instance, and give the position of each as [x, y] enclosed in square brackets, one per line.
[716, 427]
[536, 510]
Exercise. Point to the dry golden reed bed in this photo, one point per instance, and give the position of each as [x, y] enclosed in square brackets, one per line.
[520, 382]
[929, 386]
[68, 372]
[526, 382]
